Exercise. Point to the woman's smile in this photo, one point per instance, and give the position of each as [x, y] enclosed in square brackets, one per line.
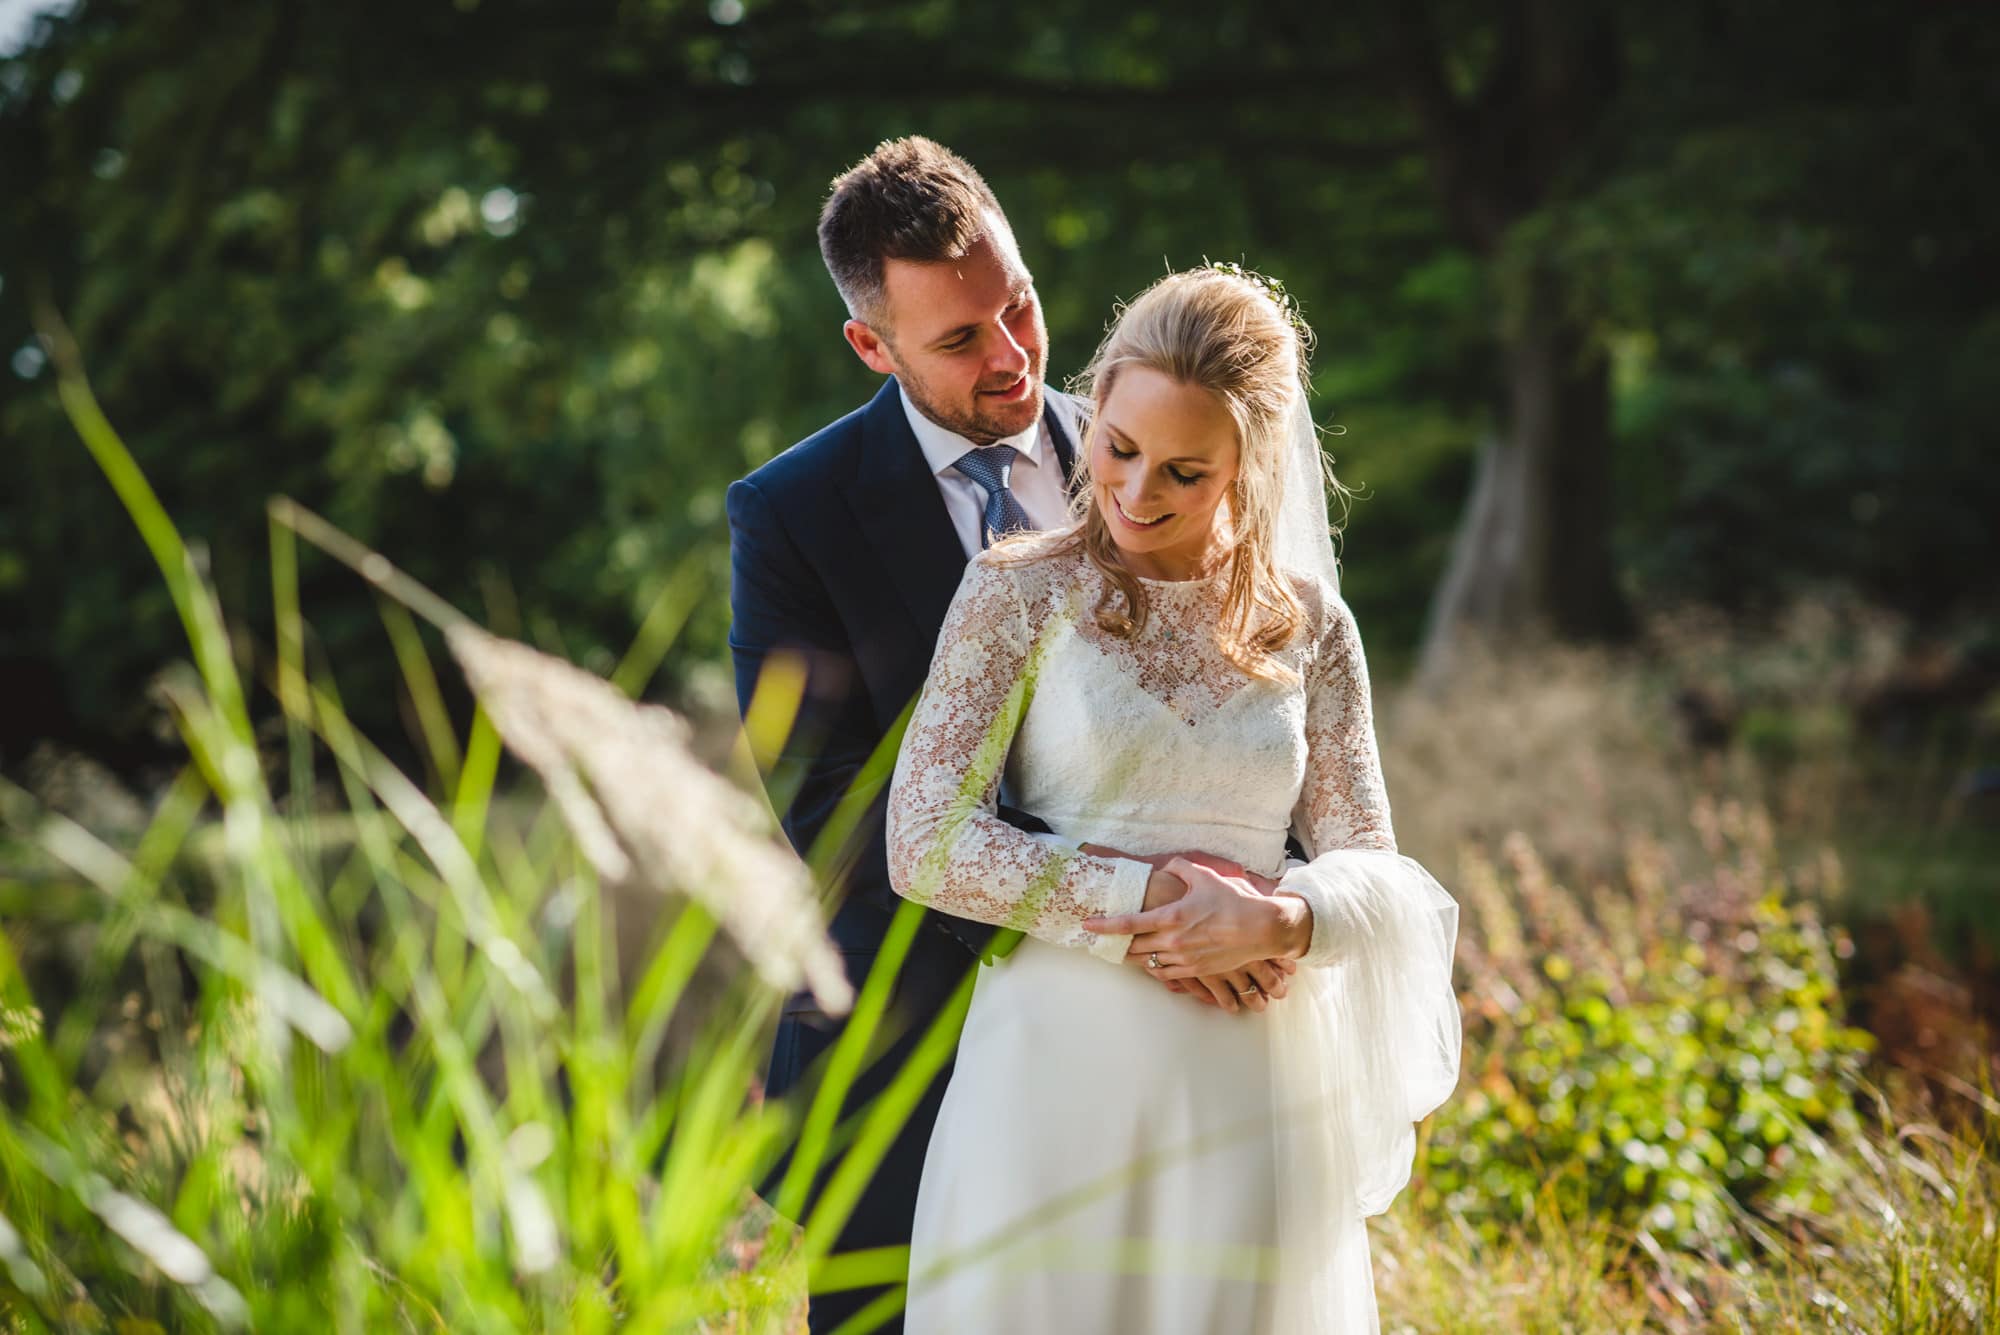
[1153, 522]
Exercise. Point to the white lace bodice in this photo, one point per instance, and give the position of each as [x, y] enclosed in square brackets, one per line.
[1150, 745]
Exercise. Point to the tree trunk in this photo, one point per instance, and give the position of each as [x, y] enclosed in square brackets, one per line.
[1532, 555]
[1533, 549]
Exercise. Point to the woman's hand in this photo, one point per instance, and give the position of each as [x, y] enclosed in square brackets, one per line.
[1218, 927]
[1255, 985]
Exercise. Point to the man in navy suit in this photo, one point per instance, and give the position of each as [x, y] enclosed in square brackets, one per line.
[847, 548]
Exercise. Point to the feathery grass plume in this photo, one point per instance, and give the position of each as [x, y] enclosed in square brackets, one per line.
[648, 813]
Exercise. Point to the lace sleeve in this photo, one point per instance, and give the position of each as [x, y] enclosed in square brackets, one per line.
[1343, 804]
[947, 847]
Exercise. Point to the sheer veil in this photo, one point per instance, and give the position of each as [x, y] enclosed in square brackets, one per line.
[1364, 1047]
[1304, 541]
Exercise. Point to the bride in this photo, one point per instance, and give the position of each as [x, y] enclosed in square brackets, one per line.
[1173, 684]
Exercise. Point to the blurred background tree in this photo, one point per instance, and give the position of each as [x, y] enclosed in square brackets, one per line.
[1640, 303]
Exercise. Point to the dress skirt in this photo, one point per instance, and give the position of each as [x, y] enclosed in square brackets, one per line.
[1105, 1160]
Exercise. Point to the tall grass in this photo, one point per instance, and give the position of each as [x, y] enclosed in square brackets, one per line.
[333, 1047]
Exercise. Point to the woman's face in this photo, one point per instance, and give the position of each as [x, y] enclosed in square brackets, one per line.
[1166, 457]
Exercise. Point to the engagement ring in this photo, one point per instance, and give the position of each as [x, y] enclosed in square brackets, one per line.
[1153, 961]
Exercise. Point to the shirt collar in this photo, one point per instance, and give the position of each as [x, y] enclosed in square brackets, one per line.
[942, 448]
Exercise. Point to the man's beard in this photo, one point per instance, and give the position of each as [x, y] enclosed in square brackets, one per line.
[980, 428]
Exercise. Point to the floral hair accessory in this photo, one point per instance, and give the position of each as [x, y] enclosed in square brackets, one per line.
[1274, 288]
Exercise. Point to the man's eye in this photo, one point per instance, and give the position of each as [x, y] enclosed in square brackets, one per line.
[958, 343]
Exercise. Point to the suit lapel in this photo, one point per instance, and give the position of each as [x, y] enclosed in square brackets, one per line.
[1060, 431]
[900, 513]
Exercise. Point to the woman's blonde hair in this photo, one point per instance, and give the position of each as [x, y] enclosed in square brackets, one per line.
[1227, 334]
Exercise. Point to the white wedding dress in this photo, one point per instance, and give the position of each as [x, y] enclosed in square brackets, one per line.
[1111, 1156]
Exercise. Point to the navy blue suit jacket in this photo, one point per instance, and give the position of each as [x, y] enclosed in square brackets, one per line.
[841, 551]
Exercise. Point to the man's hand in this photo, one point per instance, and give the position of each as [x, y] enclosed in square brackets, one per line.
[1265, 885]
[1219, 926]
[1256, 984]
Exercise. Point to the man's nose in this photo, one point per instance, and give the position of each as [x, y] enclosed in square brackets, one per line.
[1009, 357]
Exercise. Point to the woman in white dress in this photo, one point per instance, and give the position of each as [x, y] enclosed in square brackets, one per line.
[1173, 684]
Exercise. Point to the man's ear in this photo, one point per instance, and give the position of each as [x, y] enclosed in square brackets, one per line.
[870, 347]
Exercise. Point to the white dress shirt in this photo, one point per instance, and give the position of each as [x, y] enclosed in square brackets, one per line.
[1036, 480]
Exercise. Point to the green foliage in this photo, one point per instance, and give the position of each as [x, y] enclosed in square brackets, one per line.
[515, 294]
[1664, 1065]
[1901, 1246]
[388, 1058]
[1797, 297]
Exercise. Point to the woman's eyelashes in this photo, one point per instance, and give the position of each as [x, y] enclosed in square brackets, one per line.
[1186, 480]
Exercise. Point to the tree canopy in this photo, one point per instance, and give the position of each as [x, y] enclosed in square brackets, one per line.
[513, 290]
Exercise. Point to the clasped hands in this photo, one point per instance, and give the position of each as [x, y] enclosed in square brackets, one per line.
[1222, 934]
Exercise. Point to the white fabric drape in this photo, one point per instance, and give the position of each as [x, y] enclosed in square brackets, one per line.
[1363, 1048]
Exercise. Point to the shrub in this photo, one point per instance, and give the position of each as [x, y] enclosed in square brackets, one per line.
[1652, 1057]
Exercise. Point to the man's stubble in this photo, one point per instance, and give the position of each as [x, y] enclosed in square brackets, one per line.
[976, 427]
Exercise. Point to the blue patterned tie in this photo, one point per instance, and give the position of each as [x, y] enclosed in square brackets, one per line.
[990, 467]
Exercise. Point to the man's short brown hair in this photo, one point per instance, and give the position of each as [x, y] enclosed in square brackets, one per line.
[911, 199]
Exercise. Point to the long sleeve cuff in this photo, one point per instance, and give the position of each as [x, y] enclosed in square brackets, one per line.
[1333, 927]
[1124, 893]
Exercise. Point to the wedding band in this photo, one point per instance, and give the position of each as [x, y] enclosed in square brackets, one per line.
[1153, 961]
